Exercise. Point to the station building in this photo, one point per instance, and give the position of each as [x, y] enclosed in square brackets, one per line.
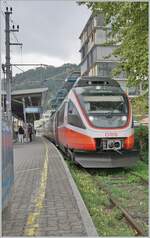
[96, 53]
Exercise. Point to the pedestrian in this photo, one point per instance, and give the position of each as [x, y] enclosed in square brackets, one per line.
[30, 132]
[21, 134]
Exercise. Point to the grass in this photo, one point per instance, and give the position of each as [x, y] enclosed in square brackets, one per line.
[141, 169]
[108, 220]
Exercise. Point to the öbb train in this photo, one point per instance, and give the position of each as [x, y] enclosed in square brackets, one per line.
[94, 125]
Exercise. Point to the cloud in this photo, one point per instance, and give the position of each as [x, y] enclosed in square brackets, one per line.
[50, 28]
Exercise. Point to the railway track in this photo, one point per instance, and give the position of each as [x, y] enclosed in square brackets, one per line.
[142, 179]
[132, 221]
[120, 180]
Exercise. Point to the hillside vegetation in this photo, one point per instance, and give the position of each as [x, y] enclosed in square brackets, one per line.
[50, 76]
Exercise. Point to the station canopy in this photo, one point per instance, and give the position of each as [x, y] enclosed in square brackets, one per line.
[29, 103]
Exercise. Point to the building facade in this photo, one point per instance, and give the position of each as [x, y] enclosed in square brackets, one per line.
[96, 53]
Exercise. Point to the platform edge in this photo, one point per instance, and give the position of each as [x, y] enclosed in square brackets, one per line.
[86, 218]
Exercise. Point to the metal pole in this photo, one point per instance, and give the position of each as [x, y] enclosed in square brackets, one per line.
[24, 112]
[8, 66]
[25, 119]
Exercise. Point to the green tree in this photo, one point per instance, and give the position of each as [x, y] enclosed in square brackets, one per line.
[129, 28]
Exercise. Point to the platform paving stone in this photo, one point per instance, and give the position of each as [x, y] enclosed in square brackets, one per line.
[56, 213]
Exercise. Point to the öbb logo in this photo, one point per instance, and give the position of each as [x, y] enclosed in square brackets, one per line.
[111, 134]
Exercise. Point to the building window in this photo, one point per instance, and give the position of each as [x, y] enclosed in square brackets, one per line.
[88, 61]
[92, 37]
[133, 91]
[123, 84]
[99, 20]
[105, 69]
[83, 53]
[91, 59]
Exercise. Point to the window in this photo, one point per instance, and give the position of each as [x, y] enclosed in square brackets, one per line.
[90, 58]
[88, 61]
[61, 115]
[83, 52]
[104, 106]
[99, 20]
[92, 37]
[105, 69]
[74, 118]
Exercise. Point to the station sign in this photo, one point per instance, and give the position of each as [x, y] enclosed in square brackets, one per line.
[32, 110]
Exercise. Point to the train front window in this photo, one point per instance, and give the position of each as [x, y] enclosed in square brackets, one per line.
[103, 108]
[74, 118]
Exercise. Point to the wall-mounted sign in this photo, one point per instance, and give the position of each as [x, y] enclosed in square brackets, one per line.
[32, 110]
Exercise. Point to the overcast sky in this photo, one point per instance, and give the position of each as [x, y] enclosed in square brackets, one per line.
[49, 30]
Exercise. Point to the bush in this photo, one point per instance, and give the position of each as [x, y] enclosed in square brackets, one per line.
[141, 141]
[140, 105]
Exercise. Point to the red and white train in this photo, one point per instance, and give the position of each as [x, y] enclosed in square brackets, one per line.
[94, 124]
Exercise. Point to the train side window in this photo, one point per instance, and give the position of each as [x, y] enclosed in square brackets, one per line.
[74, 118]
[61, 115]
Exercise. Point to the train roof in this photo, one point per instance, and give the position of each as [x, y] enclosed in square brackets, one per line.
[95, 81]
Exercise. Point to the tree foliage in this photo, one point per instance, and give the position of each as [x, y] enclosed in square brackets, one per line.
[140, 105]
[129, 28]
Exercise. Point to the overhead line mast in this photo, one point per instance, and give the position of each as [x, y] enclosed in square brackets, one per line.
[7, 66]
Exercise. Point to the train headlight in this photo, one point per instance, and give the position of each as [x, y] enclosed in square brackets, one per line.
[91, 118]
[124, 118]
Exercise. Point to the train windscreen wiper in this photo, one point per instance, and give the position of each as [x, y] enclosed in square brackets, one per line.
[110, 114]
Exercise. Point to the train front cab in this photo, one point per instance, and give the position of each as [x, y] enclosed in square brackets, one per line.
[90, 144]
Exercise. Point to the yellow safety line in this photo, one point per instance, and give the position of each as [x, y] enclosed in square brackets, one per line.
[32, 225]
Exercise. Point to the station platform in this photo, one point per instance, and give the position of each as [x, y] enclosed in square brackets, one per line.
[45, 199]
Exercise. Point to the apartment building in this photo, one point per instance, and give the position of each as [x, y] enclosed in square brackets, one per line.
[96, 54]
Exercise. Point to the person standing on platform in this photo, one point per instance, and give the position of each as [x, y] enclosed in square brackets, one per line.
[21, 134]
[30, 132]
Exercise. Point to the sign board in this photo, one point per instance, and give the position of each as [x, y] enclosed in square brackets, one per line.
[32, 110]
